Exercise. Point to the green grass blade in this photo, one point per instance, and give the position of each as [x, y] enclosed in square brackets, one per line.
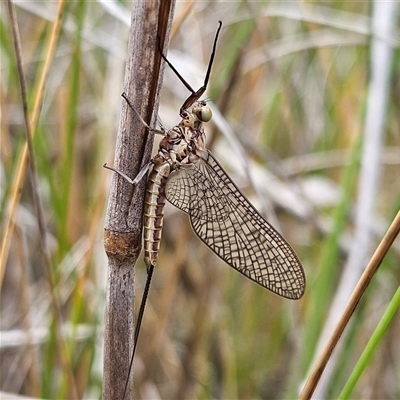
[371, 346]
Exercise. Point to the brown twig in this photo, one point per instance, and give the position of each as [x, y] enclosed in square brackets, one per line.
[358, 292]
[123, 226]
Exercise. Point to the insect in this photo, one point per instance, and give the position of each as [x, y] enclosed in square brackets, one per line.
[186, 174]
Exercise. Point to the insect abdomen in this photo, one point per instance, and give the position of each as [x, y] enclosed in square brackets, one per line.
[154, 211]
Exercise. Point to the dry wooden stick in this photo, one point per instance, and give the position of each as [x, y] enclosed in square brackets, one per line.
[358, 292]
[123, 226]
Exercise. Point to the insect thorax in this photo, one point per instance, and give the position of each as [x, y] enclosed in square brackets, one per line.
[184, 144]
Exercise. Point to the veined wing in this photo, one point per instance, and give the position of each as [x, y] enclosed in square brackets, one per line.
[233, 229]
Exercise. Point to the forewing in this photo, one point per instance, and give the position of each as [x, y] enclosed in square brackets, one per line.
[227, 223]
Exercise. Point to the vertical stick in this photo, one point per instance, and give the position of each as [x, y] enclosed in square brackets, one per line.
[123, 225]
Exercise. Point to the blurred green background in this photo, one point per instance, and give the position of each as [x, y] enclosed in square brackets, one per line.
[306, 122]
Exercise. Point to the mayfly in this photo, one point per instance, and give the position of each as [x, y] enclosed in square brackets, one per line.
[186, 174]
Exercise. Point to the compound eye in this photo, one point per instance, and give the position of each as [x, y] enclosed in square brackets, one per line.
[204, 114]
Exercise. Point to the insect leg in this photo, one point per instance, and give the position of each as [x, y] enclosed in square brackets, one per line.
[142, 173]
[181, 78]
[146, 167]
[210, 63]
[154, 130]
[196, 95]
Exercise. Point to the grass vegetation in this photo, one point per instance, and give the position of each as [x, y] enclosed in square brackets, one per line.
[293, 82]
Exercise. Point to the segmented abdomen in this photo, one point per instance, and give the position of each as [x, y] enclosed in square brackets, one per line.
[154, 211]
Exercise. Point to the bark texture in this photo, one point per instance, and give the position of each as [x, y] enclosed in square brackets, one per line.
[123, 224]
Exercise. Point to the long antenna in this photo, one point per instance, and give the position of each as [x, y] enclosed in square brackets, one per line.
[139, 323]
